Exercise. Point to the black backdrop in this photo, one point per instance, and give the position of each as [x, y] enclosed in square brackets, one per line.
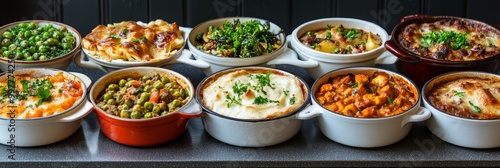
[288, 14]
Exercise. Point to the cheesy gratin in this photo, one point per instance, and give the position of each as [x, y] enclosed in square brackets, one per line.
[367, 95]
[341, 40]
[468, 97]
[451, 40]
[39, 96]
[253, 94]
[130, 41]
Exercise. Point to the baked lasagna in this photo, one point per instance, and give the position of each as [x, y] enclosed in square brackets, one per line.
[373, 95]
[253, 94]
[130, 41]
[468, 97]
[451, 40]
[341, 40]
[38, 96]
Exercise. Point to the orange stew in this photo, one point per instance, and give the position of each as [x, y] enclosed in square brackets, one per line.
[39, 96]
[367, 96]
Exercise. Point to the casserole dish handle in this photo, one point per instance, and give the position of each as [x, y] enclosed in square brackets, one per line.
[82, 111]
[421, 115]
[290, 57]
[191, 110]
[185, 58]
[85, 79]
[80, 61]
[308, 113]
[391, 47]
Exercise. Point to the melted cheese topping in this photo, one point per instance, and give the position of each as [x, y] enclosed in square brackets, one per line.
[285, 95]
[482, 40]
[129, 41]
[64, 94]
[469, 97]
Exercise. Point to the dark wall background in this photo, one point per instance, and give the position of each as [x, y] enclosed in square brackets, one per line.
[84, 15]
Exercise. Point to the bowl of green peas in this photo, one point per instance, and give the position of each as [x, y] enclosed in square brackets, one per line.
[143, 106]
[37, 43]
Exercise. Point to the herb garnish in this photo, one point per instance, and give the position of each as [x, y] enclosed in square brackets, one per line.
[328, 35]
[476, 108]
[230, 100]
[114, 36]
[263, 100]
[390, 101]
[454, 39]
[292, 99]
[457, 93]
[286, 92]
[240, 88]
[136, 41]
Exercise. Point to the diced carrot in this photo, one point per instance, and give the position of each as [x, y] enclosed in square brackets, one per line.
[76, 85]
[154, 97]
[67, 103]
[136, 83]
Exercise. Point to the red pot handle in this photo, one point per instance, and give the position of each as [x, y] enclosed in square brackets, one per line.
[391, 47]
[414, 16]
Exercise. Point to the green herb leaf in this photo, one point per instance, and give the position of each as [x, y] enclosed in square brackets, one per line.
[135, 48]
[25, 83]
[336, 50]
[263, 100]
[476, 108]
[43, 94]
[355, 85]
[114, 36]
[285, 92]
[136, 41]
[390, 101]
[125, 32]
[292, 99]
[459, 94]
[351, 34]
[230, 100]
[328, 35]
[144, 39]
[239, 88]
[454, 39]
[328, 27]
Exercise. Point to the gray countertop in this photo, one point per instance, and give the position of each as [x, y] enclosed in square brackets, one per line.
[88, 147]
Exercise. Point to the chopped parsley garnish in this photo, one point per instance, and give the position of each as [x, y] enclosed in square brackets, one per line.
[336, 50]
[457, 93]
[309, 33]
[454, 39]
[125, 32]
[390, 101]
[355, 85]
[114, 36]
[25, 83]
[476, 108]
[136, 41]
[144, 39]
[263, 100]
[263, 81]
[230, 100]
[328, 35]
[315, 45]
[135, 48]
[60, 90]
[328, 27]
[292, 99]
[239, 88]
[491, 45]
[286, 92]
[351, 34]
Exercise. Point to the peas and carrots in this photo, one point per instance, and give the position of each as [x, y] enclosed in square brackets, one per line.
[144, 97]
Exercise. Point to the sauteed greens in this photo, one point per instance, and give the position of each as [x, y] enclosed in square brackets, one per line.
[236, 39]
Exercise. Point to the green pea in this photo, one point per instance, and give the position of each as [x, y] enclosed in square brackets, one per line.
[7, 34]
[145, 78]
[165, 80]
[137, 108]
[164, 113]
[148, 115]
[22, 25]
[50, 42]
[156, 109]
[168, 85]
[135, 115]
[69, 39]
[24, 43]
[122, 82]
[147, 88]
[148, 105]
[30, 58]
[27, 34]
[124, 114]
[43, 49]
[148, 82]
[113, 87]
[104, 107]
[57, 35]
[172, 105]
[18, 56]
[177, 93]
[141, 101]
[128, 84]
[67, 46]
[7, 53]
[35, 56]
[32, 49]
[6, 42]
[107, 96]
[45, 35]
[63, 29]
[145, 96]
[111, 102]
[158, 85]
[42, 57]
